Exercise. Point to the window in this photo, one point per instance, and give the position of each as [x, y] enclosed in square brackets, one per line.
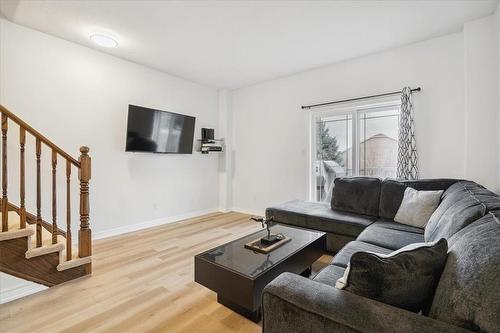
[360, 141]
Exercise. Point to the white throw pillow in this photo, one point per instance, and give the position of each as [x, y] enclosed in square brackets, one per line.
[417, 207]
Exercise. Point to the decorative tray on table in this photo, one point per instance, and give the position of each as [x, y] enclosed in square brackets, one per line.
[267, 243]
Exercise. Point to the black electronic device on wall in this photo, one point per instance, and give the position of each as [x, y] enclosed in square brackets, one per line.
[207, 134]
[208, 141]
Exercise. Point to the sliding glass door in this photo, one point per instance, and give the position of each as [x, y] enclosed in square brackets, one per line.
[361, 141]
[378, 143]
[333, 139]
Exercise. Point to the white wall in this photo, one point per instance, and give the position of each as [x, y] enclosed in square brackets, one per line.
[497, 27]
[481, 101]
[271, 132]
[78, 96]
[225, 159]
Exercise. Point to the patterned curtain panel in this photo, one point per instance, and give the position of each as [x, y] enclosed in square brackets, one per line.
[407, 146]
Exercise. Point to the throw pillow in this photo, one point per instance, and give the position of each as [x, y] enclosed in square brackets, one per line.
[406, 278]
[360, 195]
[417, 207]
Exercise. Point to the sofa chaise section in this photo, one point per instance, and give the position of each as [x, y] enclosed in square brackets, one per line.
[341, 227]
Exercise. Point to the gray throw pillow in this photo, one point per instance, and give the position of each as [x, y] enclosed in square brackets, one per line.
[417, 207]
[360, 195]
[406, 278]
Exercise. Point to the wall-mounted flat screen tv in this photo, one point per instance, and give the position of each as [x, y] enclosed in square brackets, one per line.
[156, 131]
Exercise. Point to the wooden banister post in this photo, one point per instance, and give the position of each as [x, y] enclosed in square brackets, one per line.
[22, 184]
[55, 230]
[84, 175]
[5, 201]
[38, 153]
[69, 253]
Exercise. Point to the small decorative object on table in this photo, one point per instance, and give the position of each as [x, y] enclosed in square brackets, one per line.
[269, 242]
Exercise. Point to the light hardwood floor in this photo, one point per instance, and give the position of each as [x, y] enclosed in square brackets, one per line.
[141, 282]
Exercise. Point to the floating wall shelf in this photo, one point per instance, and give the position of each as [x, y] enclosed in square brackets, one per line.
[210, 146]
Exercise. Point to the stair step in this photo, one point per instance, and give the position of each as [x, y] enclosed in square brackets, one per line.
[16, 233]
[47, 238]
[73, 263]
[14, 228]
[40, 251]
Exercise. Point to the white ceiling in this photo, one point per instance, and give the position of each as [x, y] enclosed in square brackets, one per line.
[230, 44]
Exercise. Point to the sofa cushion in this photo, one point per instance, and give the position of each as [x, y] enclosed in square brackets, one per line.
[389, 238]
[342, 258]
[458, 216]
[490, 201]
[329, 275]
[319, 216]
[458, 187]
[358, 195]
[451, 196]
[464, 185]
[468, 292]
[392, 191]
[405, 278]
[417, 207]
[390, 224]
[461, 205]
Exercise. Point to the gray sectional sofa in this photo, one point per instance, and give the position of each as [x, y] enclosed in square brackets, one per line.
[360, 218]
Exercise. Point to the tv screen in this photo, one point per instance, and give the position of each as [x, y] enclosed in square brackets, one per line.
[155, 131]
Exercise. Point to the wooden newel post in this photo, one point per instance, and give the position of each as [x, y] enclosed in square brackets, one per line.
[84, 234]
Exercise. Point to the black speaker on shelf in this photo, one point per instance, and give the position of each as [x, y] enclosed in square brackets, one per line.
[207, 134]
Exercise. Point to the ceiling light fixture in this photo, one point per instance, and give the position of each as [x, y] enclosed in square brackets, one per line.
[104, 40]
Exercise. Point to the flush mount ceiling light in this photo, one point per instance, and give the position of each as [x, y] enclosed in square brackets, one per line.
[103, 40]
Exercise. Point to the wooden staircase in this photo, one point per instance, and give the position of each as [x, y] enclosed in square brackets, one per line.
[30, 247]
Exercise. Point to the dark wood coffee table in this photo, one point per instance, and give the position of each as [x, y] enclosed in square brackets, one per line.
[238, 275]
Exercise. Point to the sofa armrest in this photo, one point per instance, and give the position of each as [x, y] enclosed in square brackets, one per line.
[292, 303]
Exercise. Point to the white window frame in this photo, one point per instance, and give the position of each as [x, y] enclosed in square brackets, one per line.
[353, 109]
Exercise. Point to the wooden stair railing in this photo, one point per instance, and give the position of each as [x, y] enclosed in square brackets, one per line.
[83, 164]
[31, 219]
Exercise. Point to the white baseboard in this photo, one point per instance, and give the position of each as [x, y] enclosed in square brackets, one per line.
[225, 210]
[149, 224]
[23, 290]
[248, 211]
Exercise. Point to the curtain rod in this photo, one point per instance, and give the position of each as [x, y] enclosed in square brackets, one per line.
[356, 99]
